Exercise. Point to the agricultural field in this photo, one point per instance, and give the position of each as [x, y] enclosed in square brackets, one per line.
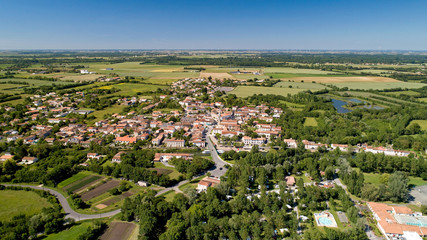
[73, 179]
[99, 114]
[132, 89]
[245, 91]
[269, 70]
[81, 184]
[422, 99]
[34, 82]
[76, 77]
[170, 171]
[71, 233]
[119, 231]
[310, 122]
[303, 85]
[215, 75]
[15, 202]
[409, 93]
[422, 123]
[135, 69]
[292, 105]
[99, 190]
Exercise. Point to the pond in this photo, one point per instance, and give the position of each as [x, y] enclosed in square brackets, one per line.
[338, 104]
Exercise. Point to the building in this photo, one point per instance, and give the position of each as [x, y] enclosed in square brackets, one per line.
[165, 157]
[93, 156]
[207, 182]
[125, 140]
[248, 141]
[29, 160]
[5, 157]
[174, 143]
[118, 157]
[291, 143]
[394, 221]
[290, 181]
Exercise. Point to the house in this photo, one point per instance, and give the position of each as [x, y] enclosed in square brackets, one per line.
[142, 183]
[290, 181]
[341, 147]
[125, 140]
[118, 157]
[396, 221]
[207, 182]
[93, 156]
[174, 143]
[291, 143]
[164, 157]
[29, 160]
[5, 157]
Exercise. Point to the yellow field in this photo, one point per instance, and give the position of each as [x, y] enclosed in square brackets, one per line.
[215, 75]
[345, 79]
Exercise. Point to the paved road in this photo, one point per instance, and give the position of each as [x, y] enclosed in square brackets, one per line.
[70, 213]
[219, 169]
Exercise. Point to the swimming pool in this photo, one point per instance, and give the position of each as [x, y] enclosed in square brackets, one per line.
[324, 221]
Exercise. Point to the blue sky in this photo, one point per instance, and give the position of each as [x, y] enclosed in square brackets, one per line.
[232, 24]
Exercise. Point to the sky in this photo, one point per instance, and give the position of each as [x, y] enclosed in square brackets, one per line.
[214, 24]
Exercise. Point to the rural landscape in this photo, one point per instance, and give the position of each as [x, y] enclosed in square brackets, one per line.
[157, 146]
[205, 120]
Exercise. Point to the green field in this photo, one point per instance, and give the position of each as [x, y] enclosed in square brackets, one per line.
[422, 123]
[173, 175]
[374, 178]
[409, 93]
[245, 91]
[99, 114]
[169, 195]
[310, 122]
[13, 203]
[131, 89]
[303, 85]
[296, 71]
[71, 233]
[35, 82]
[378, 85]
[292, 105]
[135, 69]
[75, 178]
[422, 99]
[81, 183]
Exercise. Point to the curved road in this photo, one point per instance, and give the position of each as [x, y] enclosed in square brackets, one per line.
[70, 213]
[217, 171]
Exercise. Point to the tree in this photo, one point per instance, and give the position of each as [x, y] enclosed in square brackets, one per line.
[398, 187]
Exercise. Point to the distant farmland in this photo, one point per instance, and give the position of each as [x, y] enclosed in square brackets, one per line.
[245, 91]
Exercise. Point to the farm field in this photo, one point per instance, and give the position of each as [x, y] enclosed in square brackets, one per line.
[15, 202]
[295, 71]
[245, 91]
[75, 178]
[215, 75]
[160, 81]
[34, 82]
[135, 69]
[378, 85]
[303, 85]
[98, 190]
[292, 105]
[76, 77]
[346, 79]
[132, 89]
[310, 122]
[173, 173]
[118, 231]
[422, 123]
[225, 69]
[423, 99]
[82, 183]
[71, 233]
[409, 93]
[380, 98]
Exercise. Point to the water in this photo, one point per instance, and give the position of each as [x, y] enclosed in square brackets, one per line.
[338, 104]
[325, 221]
[355, 100]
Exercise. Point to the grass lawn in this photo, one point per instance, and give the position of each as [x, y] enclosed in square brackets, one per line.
[131, 89]
[76, 177]
[409, 93]
[374, 178]
[169, 195]
[422, 123]
[422, 99]
[292, 105]
[17, 202]
[246, 91]
[310, 121]
[99, 114]
[173, 175]
[71, 233]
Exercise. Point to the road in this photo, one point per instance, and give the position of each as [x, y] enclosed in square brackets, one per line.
[218, 170]
[70, 213]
